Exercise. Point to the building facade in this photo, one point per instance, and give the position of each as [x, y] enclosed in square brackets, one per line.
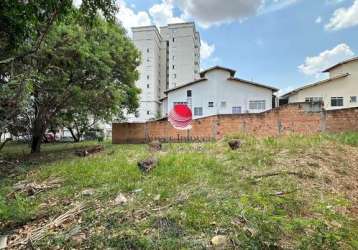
[218, 91]
[170, 57]
[339, 91]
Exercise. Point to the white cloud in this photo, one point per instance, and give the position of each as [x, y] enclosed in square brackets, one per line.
[206, 50]
[129, 18]
[275, 5]
[344, 18]
[316, 64]
[211, 12]
[214, 12]
[162, 13]
[319, 20]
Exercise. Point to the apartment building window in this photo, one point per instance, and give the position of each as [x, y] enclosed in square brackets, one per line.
[173, 66]
[188, 93]
[147, 86]
[223, 104]
[198, 111]
[148, 112]
[257, 105]
[147, 50]
[236, 110]
[147, 77]
[313, 99]
[353, 99]
[175, 76]
[173, 39]
[210, 104]
[336, 101]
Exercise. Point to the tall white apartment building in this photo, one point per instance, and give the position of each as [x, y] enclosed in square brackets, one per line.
[170, 58]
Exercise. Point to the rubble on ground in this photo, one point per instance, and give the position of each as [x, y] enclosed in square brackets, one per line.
[155, 146]
[89, 151]
[235, 144]
[147, 164]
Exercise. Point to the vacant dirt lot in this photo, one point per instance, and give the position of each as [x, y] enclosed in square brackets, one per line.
[290, 192]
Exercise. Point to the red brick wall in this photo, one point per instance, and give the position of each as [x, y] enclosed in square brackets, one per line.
[291, 118]
[342, 120]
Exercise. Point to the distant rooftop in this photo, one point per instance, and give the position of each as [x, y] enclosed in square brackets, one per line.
[341, 63]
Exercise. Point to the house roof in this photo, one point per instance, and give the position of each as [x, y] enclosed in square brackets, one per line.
[253, 83]
[232, 72]
[231, 78]
[185, 85]
[315, 84]
[341, 63]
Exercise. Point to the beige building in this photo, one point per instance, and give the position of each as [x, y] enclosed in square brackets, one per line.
[339, 91]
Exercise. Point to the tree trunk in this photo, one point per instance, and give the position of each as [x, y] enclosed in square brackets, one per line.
[2, 145]
[75, 138]
[38, 132]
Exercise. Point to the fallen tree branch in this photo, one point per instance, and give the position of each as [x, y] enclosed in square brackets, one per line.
[30, 189]
[299, 174]
[40, 232]
[284, 192]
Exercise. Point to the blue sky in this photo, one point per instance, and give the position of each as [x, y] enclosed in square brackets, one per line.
[284, 43]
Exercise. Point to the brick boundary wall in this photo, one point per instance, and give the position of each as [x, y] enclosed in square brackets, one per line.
[299, 118]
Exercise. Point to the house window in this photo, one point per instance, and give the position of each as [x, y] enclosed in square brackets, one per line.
[173, 57]
[336, 101]
[147, 77]
[257, 105]
[211, 104]
[198, 111]
[180, 103]
[173, 39]
[188, 93]
[148, 112]
[353, 99]
[147, 50]
[173, 66]
[313, 99]
[147, 86]
[236, 110]
[223, 104]
[175, 76]
[148, 60]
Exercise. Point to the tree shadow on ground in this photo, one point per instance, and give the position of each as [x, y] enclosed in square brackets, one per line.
[16, 158]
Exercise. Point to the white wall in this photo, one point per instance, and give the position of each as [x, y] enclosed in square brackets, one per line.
[148, 41]
[219, 89]
[184, 53]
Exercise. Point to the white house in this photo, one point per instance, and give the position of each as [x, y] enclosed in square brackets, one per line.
[338, 91]
[219, 92]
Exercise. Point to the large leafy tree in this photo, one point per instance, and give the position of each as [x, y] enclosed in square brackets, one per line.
[80, 69]
[24, 26]
[29, 21]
